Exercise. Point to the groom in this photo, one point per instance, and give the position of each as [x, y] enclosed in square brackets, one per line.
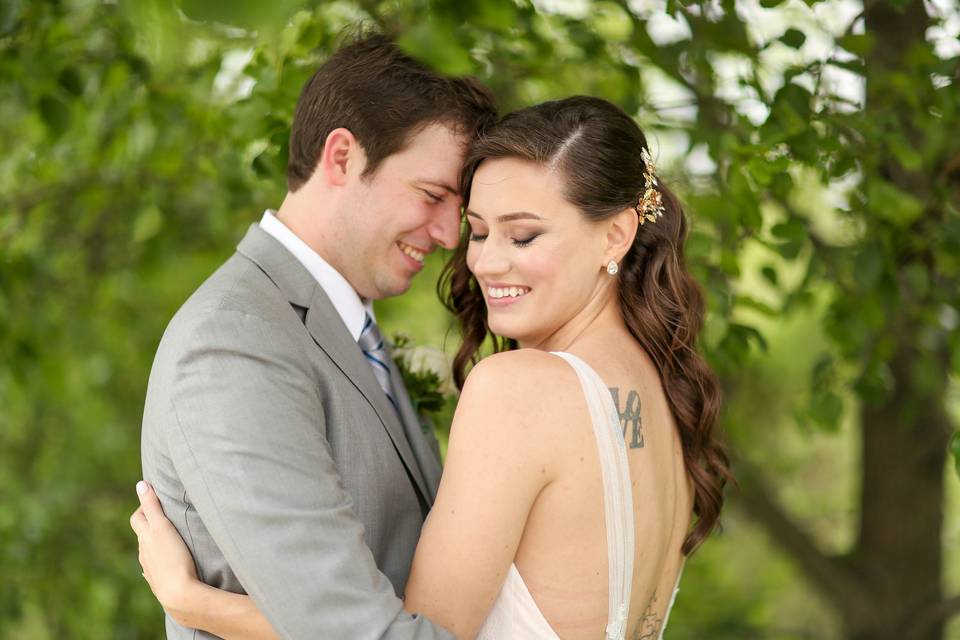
[277, 431]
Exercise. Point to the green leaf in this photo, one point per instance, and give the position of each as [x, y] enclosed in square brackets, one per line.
[699, 245]
[748, 302]
[867, 266]
[434, 40]
[70, 80]
[737, 340]
[890, 203]
[955, 449]
[826, 409]
[610, 21]
[770, 275]
[857, 44]
[793, 38]
[55, 113]
[148, 224]
[917, 278]
[806, 147]
[797, 97]
[497, 15]
[855, 65]
[782, 185]
[760, 170]
[249, 14]
[791, 229]
[730, 263]
[10, 11]
[266, 163]
[750, 215]
[905, 153]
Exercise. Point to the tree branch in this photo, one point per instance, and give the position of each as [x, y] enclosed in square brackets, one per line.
[840, 586]
[931, 616]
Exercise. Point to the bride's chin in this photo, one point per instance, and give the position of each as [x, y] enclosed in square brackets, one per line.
[505, 332]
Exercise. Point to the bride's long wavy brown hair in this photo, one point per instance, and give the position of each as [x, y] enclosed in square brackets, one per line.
[596, 147]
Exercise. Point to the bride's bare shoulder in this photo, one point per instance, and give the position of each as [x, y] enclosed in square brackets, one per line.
[519, 366]
[520, 382]
[511, 408]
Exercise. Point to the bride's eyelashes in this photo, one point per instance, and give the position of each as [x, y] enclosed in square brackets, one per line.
[524, 242]
[517, 242]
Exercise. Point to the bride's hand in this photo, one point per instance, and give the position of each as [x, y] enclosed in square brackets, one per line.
[167, 564]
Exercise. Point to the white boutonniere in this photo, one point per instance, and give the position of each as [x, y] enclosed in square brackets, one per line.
[427, 374]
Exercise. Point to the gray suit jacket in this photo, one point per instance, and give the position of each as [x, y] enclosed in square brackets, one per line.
[279, 458]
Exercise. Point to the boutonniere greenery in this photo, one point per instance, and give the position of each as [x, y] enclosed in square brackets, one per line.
[428, 376]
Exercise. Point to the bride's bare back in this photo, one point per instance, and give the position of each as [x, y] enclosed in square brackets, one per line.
[563, 552]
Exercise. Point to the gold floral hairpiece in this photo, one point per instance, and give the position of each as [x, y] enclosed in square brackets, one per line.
[650, 206]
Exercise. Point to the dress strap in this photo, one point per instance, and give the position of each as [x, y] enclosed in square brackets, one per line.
[617, 492]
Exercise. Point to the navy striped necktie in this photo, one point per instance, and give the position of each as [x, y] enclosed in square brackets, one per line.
[374, 350]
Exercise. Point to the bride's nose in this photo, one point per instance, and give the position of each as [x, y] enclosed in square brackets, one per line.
[489, 259]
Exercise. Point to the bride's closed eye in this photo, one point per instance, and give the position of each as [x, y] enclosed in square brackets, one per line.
[517, 242]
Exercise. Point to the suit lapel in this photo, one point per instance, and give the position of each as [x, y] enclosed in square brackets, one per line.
[424, 444]
[328, 331]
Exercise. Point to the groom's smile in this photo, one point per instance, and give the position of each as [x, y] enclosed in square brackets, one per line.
[416, 255]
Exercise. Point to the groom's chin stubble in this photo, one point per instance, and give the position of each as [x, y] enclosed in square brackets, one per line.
[395, 286]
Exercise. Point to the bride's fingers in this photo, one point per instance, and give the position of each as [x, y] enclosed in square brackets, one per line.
[138, 522]
[149, 502]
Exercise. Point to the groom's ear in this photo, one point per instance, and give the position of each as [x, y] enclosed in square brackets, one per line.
[341, 158]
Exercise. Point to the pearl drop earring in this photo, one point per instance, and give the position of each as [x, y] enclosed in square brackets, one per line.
[612, 267]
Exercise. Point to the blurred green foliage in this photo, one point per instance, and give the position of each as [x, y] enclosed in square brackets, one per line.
[817, 157]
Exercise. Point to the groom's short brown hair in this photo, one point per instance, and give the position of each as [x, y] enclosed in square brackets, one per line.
[383, 97]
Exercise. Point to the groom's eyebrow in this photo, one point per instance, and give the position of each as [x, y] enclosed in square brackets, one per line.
[508, 217]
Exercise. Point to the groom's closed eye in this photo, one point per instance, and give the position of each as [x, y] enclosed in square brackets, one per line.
[434, 198]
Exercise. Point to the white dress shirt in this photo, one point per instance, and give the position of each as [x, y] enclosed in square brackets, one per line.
[345, 299]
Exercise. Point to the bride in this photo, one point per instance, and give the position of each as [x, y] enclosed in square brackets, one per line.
[581, 451]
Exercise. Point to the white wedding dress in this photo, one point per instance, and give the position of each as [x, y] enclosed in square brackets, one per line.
[515, 614]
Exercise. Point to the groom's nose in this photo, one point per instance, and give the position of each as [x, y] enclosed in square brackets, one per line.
[444, 226]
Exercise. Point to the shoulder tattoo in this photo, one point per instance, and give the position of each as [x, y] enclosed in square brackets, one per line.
[629, 416]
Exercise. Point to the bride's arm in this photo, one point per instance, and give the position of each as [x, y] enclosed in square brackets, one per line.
[170, 572]
[224, 614]
[501, 455]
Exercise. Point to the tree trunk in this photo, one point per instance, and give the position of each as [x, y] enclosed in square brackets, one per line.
[899, 551]
[898, 555]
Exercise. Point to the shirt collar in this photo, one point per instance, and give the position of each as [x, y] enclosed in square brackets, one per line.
[351, 308]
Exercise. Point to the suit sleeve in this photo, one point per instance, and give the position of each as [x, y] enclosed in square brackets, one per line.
[250, 450]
